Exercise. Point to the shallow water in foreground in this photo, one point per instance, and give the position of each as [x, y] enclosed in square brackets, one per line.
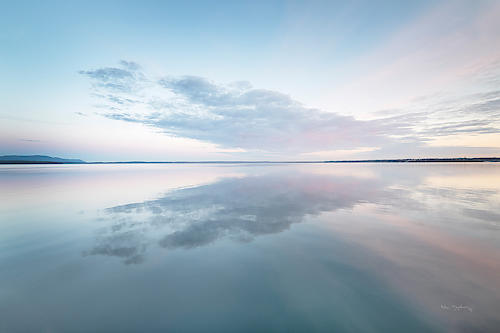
[259, 247]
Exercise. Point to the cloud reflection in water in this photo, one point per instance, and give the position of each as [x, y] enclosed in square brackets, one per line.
[242, 208]
[236, 208]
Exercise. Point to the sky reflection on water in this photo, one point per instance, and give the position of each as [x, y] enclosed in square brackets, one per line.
[369, 247]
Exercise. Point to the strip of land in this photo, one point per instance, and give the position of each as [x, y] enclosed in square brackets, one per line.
[42, 159]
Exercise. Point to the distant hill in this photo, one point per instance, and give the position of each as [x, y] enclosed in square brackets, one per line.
[35, 159]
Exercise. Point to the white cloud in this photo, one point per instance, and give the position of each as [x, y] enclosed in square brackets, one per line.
[234, 115]
[237, 118]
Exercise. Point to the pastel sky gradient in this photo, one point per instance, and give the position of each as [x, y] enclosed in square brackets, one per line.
[256, 80]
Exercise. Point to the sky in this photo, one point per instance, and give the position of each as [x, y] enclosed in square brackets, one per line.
[255, 80]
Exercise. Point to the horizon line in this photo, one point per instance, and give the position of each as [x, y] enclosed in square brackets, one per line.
[388, 160]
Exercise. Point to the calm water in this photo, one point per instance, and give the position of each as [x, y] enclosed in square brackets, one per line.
[225, 248]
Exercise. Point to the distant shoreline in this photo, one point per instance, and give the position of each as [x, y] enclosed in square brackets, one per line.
[404, 160]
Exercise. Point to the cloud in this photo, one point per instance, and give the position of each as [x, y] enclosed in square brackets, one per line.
[485, 215]
[130, 65]
[114, 79]
[237, 115]
[489, 105]
[455, 127]
[233, 115]
[30, 140]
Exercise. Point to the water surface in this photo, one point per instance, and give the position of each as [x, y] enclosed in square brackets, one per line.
[257, 247]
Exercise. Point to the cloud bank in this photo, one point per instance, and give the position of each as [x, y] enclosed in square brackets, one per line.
[234, 115]
[237, 115]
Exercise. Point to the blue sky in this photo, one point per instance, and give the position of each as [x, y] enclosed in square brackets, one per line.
[215, 80]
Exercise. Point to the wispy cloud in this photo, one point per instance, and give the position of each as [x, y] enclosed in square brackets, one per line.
[237, 115]
[30, 140]
[232, 115]
[122, 79]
